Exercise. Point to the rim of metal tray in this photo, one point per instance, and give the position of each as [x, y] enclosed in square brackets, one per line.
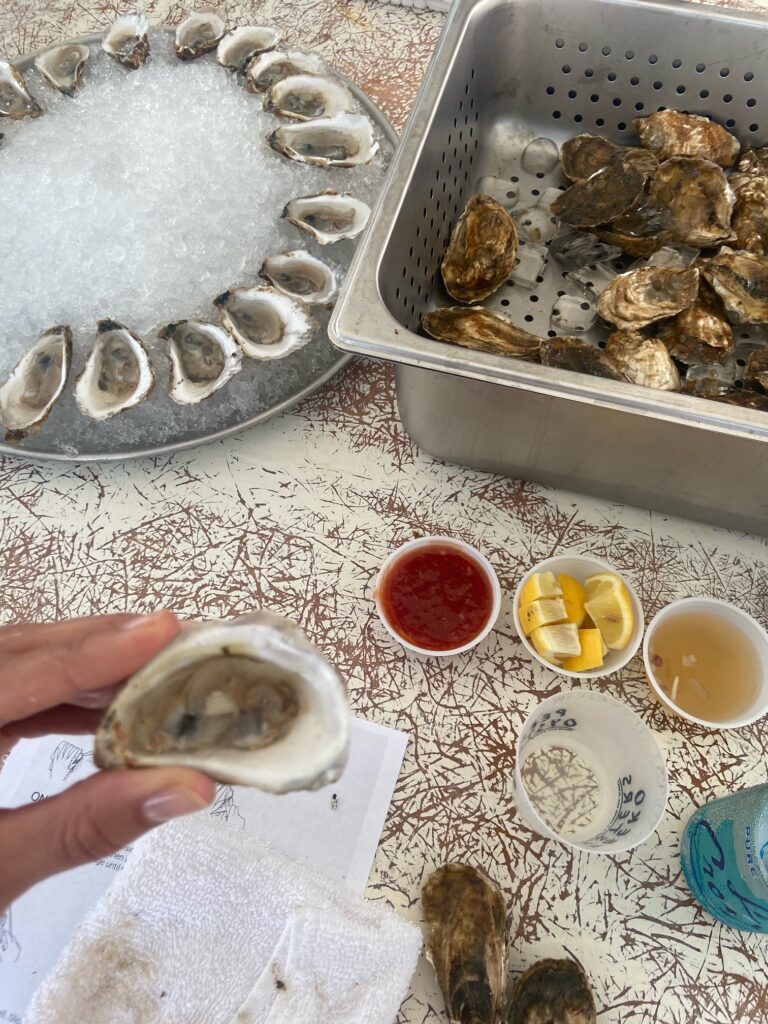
[381, 120]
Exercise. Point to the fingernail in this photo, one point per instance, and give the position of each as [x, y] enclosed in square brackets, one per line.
[172, 803]
[96, 698]
[140, 620]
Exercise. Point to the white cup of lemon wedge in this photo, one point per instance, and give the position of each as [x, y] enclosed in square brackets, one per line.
[578, 616]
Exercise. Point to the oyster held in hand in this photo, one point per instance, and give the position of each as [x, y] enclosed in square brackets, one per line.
[552, 992]
[644, 361]
[580, 356]
[640, 297]
[741, 281]
[249, 702]
[467, 942]
[670, 133]
[481, 330]
[481, 252]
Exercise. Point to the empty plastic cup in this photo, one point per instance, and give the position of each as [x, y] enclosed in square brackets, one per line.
[589, 773]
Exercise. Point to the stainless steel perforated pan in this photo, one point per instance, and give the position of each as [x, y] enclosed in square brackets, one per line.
[506, 69]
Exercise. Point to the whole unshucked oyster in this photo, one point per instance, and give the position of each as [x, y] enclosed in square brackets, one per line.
[467, 942]
[699, 200]
[741, 281]
[481, 252]
[640, 297]
[644, 361]
[584, 155]
[670, 133]
[552, 992]
[481, 330]
[750, 215]
[579, 356]
[604, 196]
[703, 323]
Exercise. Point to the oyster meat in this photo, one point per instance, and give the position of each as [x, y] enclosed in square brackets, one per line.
[343, 140]
[16, 101]
[749, 223]
[199, 33]
[265, 323]
[584, 155]
[756, 372]
[63, 66]
[268, 68]
[467, 942]
[482, 251]
[580, 356]
[741, 281]
[203, 358]
[328, 216]
[239, 46]
[117, 374]
[37, 381]
[604, 196]
[670, 133]
[640, 297]
[702, 323]
[249, 702]
[644, 361]
[481, 330]
[699, 200]
[127, 41]
[307, 97]
[552, 992]
[301, 275]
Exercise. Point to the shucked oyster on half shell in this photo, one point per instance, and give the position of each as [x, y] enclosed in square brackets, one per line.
[343, 140]
[467, 942]
[37, 381]
[203, 358]
[741, 281]
[643, 361]
[301, 275]
[266, 324]
[481, 330]
[328, 216]
[670, 133]
[16, 101]
[249, 702]
[268, 68]
[127, 41]
[640, 297]
[199, 33]
[62, 66]
[552, 992]
[117, 374]
[307, 97]
[239, 46]
[481, 252]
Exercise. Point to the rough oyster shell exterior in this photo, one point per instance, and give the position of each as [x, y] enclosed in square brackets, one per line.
[741, 281]
[644, 361]
[480, 330]
[640, 297]
[481, 252]
[669, 133]
[580, 356]
[552, 992]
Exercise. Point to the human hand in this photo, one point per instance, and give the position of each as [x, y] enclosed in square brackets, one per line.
[58, 678]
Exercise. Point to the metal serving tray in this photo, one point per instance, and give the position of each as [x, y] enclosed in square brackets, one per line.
[553, 68]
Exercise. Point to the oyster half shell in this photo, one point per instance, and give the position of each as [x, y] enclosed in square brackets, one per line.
[741, 281]
[239, 46]
[16, 101]
[117, 374]
[481, 330]
[343, 140]
[127, 41]
[644, 361]
[63, 66]
[580, 356]
[328, 216]
[300, 275]
[203, 358]
[467, 942]
[552, 992]
[268, 68]
[481, 252]
[307, 97]
[640, 297]
[249, 702]
[670, 133]
[37, 381]
[199, 33]
[266, 324]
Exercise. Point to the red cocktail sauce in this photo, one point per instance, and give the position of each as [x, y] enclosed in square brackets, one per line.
[436, 597]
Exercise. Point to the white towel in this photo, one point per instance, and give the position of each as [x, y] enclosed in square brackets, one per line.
[206, 926]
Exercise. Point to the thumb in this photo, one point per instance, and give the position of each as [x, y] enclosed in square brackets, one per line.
[91, 820]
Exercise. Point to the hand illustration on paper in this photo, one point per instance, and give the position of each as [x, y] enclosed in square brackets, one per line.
[226, 810]
[10, 950]
[58, 678]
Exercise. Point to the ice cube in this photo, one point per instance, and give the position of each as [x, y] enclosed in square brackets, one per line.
[577, 249]
[540, 156]
[502, 190]
[531, 264]
[572, 314]
[537, 224]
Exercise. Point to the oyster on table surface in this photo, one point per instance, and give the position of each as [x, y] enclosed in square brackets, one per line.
[62, 66]
[552, 992]
[644, 361]
[117, 374]
[240, 45]
[481, 330]
[640, 297]
[306, 97]
[670, 133]
[741, 281]
[127, 41]
[467, 942]
[328, 216]
[249, 702]
[580, 356]
[199, 33]
[203, 358]
[36, 382]
[481, 252]
[16, 101]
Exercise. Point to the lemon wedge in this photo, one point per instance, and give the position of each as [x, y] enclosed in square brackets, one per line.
[541, 584]
[609, 606]
[541, 613]
[556, 642]
[574, 596]
[591, 655]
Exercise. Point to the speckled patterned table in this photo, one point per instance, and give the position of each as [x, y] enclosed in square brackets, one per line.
[297, 515]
